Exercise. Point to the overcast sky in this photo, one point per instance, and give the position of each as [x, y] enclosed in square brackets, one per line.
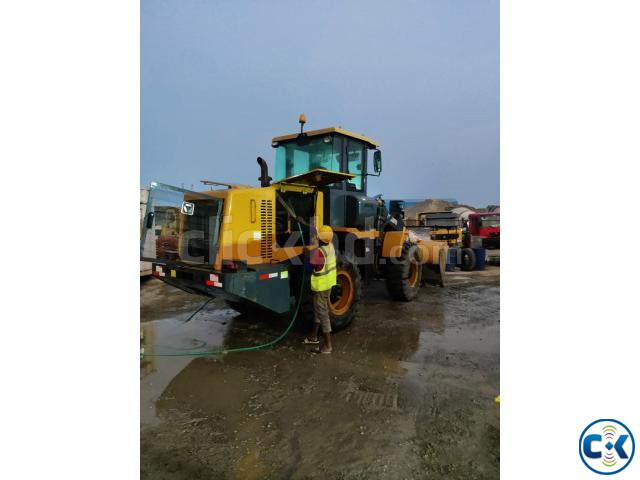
[219, 79]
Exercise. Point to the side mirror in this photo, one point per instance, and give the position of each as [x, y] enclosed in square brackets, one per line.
[149, 220]
[377, 161]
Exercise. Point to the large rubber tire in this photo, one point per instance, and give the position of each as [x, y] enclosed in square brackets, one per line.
[345, 297]
[404, 274]
[468, 259]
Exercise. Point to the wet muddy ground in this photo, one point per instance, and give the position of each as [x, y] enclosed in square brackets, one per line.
[408, 392]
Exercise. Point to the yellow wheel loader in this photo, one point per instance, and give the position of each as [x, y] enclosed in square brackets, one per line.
[251, 244]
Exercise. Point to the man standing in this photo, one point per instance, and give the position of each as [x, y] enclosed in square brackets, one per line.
[323, 277]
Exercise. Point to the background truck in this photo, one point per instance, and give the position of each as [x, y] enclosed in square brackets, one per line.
[250, 245]
[483, 228]
[443, 226]
[467, 233]
[483, 231]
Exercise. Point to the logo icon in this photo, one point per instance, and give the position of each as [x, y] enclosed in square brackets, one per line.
[187, 208]
[607, 446]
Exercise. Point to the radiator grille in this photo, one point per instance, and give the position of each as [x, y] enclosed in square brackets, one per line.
[266, 228]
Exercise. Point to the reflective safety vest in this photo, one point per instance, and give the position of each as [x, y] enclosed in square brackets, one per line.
[326, 278]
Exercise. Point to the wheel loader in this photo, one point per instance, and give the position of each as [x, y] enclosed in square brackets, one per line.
[251, 244]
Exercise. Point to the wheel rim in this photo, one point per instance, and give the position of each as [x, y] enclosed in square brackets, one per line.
[342, 293]
[413, 274]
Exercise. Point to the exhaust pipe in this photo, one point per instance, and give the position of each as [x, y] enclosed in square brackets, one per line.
[265, 179]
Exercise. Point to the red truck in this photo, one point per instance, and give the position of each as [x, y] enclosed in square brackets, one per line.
[483, 227]
[483, 231]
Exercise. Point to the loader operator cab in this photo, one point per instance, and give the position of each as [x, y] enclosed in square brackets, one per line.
[338, 150]
[330, 149]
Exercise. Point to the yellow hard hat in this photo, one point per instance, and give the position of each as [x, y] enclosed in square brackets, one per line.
[325, 234]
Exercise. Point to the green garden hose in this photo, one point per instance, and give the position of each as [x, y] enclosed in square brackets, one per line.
[222, 351]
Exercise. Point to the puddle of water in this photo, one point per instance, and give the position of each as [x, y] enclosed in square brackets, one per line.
[205, 332]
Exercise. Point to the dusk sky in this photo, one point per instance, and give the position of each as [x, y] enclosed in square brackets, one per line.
[219, 79]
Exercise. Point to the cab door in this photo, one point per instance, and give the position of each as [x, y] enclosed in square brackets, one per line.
[355, 164]
[180, 226]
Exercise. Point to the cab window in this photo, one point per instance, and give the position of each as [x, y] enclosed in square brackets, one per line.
[355, 164]
[294, 158]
